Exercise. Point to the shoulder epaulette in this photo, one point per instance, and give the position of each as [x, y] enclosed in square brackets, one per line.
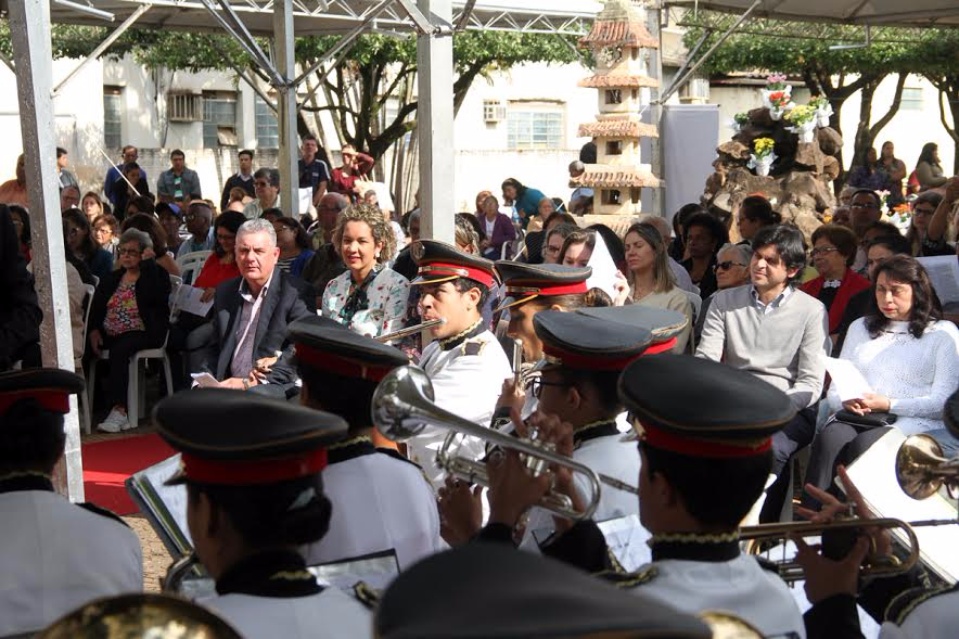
[473, 347]
[103, 512]
[629, 579]
[908, 600]
[366, 595]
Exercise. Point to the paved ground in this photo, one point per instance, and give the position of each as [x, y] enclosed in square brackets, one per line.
[156, 559]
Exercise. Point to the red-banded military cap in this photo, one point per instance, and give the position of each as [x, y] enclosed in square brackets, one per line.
[511, 595]
[701, 408]
[326, 345]
[581, 342]
[525, 282]
[664, 324]
[237, 438]
[50, 387]
[441, 262]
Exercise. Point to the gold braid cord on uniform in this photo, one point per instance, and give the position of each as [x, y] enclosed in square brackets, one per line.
[359, 439]
[694, 538]
[460, 335]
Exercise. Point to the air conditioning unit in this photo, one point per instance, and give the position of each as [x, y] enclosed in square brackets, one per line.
[493, 111]
[184, 107]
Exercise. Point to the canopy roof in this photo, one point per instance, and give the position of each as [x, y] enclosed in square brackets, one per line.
[318, 17]
[875, 12]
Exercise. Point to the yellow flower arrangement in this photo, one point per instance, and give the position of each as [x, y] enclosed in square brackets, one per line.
[763, 147]
[801, 114]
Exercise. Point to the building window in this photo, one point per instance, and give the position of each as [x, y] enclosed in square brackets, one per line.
[911, 99]
[112, 120]
[534, 127]
[267, 129]
[219, 119]
[614, 147]
[614, 96]
[182, 106]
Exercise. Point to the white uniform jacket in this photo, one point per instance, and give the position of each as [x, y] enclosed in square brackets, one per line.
[56, 556]
[381, 501]
[928, 616]
[467, 376]
[272, 596]
[697, 577]
[605, 450]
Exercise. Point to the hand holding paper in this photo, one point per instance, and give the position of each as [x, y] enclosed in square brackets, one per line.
[847, 380]
[205, 380]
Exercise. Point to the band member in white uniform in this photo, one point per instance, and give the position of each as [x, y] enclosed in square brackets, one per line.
[531, 288]
[705, 447]
[381, 500]
[55, 555]
[252, 468]
[465, 362]
[503, 594]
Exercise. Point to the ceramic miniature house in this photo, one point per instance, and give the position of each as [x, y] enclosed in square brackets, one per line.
[620, 42]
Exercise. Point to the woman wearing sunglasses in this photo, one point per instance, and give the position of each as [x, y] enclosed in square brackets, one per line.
[732, 270]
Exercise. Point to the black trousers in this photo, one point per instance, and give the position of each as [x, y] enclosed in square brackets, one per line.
[122, 348]
[837, 443]
[797, 434]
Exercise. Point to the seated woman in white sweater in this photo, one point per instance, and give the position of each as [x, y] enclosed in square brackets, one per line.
[909, 356]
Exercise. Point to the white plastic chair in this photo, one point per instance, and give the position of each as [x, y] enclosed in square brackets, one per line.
[136, 390]
[697, 303]
[191, 263]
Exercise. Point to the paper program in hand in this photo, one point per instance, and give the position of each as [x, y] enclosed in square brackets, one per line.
[847, 380]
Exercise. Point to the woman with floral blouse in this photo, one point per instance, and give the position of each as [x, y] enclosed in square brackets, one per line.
[369, 297]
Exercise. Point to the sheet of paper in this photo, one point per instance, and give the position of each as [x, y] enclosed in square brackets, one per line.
[187, 298]
[205, 380]
[627, 540]
[875, 477]
[846, 378]
[305, 197]
[377, 571]
[944, 272]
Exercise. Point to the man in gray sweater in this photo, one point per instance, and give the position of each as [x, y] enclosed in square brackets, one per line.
[777, 333]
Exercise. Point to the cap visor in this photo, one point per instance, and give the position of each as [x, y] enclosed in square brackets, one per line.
[426, 279]
[510, 302]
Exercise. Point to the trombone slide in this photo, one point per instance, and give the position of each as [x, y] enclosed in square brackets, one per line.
[410, 330]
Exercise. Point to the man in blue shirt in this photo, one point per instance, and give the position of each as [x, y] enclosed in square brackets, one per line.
[178, 184]
[314, 172]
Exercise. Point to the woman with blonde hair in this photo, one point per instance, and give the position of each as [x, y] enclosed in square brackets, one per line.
[651, 282]
[369, 297]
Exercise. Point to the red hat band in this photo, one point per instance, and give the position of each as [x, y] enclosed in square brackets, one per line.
[245, 473]
[54, 400]
[458, 270]
[658, 438]
[548, 289]
[341, 365]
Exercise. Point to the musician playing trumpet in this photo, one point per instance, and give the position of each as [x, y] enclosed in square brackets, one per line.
[464, 362]
[705, 454]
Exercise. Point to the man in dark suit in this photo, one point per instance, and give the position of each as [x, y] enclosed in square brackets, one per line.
[252, 312]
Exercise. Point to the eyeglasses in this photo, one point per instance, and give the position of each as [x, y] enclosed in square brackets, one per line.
[129, 252]
[871, 205]
[537, 384]
[725, 266]
[823, 250]
[261, 185]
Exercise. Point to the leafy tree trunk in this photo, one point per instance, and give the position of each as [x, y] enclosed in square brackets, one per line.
[866, 134]
[820, 81]
[949, 97]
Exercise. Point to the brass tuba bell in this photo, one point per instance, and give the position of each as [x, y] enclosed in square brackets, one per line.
[921, 468]
[136, 616]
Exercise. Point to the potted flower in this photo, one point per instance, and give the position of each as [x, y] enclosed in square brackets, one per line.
[803, 120]
[778, 102]
[762, 156]
[823, 110]
[775, 83]
[740, 120]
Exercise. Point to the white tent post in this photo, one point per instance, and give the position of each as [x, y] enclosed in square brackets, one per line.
[286, 103]
[30, 35]
[653, 22]
[434, 59]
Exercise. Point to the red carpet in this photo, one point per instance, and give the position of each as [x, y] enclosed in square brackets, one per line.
[107, 464]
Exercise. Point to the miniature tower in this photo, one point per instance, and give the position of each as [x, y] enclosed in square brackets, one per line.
[618, 40]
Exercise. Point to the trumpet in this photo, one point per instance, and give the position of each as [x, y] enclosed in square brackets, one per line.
[403, 407]
[922, 469]
[410, 330]
[517, 363]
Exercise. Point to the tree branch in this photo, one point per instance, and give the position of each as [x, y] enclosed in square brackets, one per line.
[893, 109]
